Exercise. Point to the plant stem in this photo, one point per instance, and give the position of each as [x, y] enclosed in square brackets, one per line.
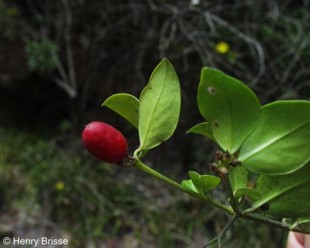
[262, 219]
[218, 238]
[232, 200]
[234, 210]
[140, 165]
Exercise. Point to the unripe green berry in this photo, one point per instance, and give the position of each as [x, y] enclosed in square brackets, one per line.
[104, 142]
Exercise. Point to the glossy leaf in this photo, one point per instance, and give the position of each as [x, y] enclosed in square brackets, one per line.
[249, 192]
[189, 185]
[238, 178]
[204, 183]
[231, 108]
[285, 196]
[195, 177]
[202, 129]
[125, 105]
[280, 144]
[160, 103]
[209, 182]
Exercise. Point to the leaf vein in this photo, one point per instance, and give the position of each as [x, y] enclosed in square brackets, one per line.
[154, 108]
[272, 141]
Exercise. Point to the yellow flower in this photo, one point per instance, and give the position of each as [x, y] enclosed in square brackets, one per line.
[222, 47]
[60, 186]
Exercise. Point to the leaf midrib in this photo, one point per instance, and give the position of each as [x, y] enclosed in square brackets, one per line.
[266, 145]
[285, 190]
[154, 107]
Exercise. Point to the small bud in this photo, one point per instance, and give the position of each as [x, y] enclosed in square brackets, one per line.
[223, 171]
[219, 155]
[235, 163]
[214, 167]
[226, 157]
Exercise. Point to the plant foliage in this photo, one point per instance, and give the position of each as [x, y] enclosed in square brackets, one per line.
[271, 141]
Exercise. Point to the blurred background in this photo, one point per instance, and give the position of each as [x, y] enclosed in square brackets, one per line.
[59, 60]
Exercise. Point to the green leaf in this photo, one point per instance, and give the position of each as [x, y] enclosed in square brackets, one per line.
[189, 185]
[280, 144]
[249, 192]
[195, 177]
[301, 224]
[204, 183]
[230, 107]
[285, 196]
[238, 178]
[125, 105]
[202, 129]
[160, 103]
[209, 182]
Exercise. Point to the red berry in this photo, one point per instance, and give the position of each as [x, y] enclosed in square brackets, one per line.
[104, 142]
